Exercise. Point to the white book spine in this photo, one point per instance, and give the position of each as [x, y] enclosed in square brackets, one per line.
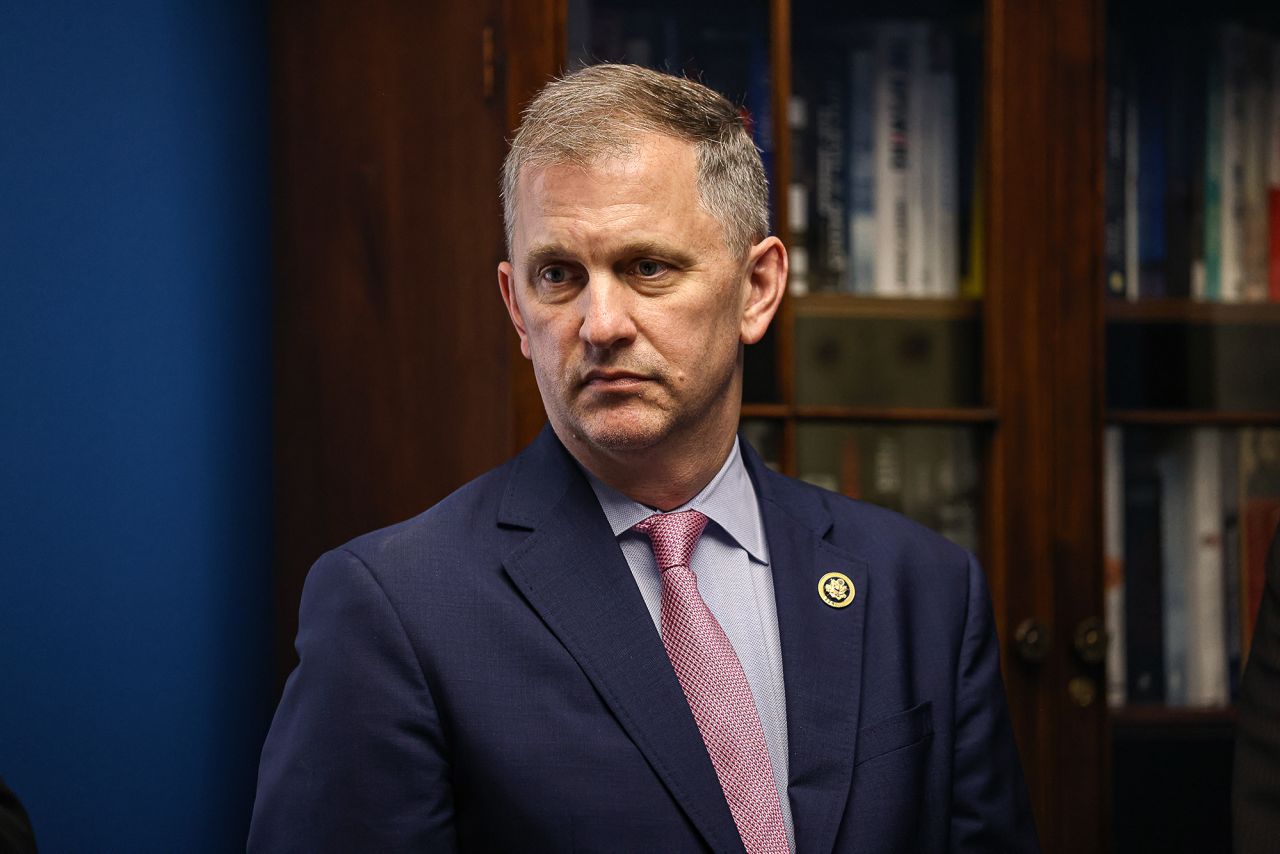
[862, 172]
[1207, 658]
[920, 190]
[892, 101]
[945, 238]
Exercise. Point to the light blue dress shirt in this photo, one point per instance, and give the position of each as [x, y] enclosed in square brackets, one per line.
[731, 562]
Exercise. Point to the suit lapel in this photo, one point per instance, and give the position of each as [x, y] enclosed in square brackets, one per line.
[821, 653]
[572, 572]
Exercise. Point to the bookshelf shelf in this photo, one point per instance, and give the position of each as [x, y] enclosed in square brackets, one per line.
[1192, 311]
[878, 414]
[1178, 725]
[849, 306]
[1193, 418]
[1171, 716]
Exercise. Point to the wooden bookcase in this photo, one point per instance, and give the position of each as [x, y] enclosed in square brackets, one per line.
[398, 378]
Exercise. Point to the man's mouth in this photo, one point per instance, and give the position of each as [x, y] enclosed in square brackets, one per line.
[613, 380]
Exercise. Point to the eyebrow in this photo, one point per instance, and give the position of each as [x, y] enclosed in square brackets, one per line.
[543, 253]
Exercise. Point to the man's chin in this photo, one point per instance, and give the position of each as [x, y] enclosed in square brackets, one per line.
[621, 433]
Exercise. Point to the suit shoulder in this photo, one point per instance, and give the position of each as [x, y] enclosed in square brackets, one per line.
[879, 534]
[453, 525]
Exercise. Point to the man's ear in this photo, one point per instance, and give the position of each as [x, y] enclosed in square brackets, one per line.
[507, 284]
[765, 283]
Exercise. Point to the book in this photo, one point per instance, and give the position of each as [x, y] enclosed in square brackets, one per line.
[1232, 209]
[828, 220]
[1173, 465]
[1143, 614]
[1184, 158]
[1273, 180]
[1132, 165]
[1153, 138]
[1209, 287]
[1207, 645]
[1259, 517]
[861, 273]
[893, 155]
[1232, 608]
[1254, 164]
[1113, 584]
[942, 170]
[918, 136]
[1114, 177]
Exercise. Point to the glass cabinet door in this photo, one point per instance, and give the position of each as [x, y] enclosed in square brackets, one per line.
[1192, 446]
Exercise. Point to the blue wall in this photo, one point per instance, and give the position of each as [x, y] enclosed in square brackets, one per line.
[135, 370]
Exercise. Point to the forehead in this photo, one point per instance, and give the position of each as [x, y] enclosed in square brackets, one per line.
[649, 191]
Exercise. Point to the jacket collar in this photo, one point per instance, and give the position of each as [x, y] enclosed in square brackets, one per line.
[573, 574]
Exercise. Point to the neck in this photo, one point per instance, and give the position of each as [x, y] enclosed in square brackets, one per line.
[652, 479]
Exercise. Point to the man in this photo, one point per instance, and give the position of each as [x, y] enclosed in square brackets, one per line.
[1256, 790]
[634, 636]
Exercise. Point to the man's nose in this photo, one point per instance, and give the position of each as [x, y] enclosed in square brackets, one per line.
[606, 312]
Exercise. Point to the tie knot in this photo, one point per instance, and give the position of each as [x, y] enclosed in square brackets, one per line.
[674, 536]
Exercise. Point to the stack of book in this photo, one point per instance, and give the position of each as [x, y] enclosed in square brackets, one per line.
[1193, 166]
[1189, 517]
[877, 193]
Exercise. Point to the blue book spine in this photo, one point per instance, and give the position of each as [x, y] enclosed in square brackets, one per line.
[861, 274]
[1152, 176]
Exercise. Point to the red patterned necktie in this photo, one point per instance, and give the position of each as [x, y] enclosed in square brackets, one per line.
[715, 686]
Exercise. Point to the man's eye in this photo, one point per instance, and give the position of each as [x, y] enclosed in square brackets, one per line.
[648, 269]
[554, 275]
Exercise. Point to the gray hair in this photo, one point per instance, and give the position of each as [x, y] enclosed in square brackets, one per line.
[598, 111]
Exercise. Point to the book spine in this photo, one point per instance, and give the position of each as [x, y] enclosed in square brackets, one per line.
[1185, 124]
[1152, 178]
[1114, 181]
[920, 153]
[1232, 629]
[893, 157]
[1113, 578]
[1255, 184]
[1273, 180]
[945, 238]
[799, 274]
[1259, 516]
[1144, 615]
[862, 173]
[1132, 164]
[1207, 653]
[1175, 518]
[1235, 108]
[829, 225]
[1211, 289]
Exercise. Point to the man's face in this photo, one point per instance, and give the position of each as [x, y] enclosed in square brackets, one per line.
[629, 302]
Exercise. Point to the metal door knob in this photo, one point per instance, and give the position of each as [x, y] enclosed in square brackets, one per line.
[1031, 640]
[1091, 641]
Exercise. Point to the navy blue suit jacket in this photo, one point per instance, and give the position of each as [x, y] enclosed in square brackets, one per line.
[486, 677]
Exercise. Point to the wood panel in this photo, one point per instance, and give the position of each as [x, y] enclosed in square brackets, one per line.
[1074, 266]
[392, 382]
[1044, 132]
[1018, 561]
[532, 44]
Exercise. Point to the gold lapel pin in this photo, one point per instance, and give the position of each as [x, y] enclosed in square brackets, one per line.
[835, 589]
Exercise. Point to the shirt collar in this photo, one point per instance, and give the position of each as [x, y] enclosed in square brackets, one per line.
[729, 500]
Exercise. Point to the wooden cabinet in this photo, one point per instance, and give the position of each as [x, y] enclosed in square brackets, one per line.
[398, 378]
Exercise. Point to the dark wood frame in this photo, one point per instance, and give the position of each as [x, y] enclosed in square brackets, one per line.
[370, 431]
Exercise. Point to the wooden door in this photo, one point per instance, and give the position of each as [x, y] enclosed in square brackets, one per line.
[393, 369]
